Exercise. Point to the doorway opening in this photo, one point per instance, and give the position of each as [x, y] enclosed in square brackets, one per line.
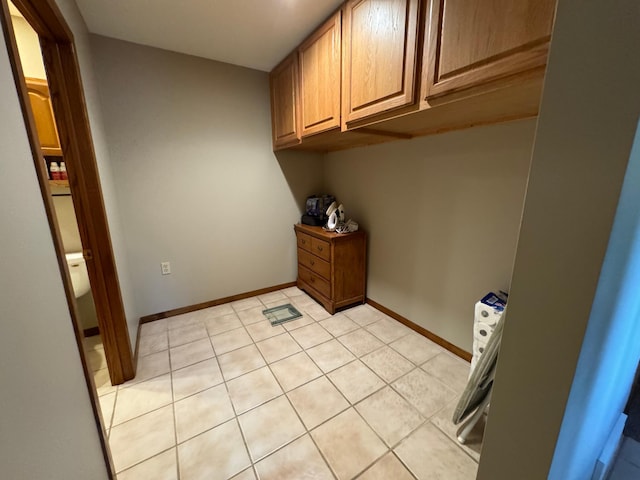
[55, 91]
[61, 194]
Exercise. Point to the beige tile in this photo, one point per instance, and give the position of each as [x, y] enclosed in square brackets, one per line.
[339, 325]
[150, 366]
[388, 330]
[278, 347]
[191, 353]
[317, 401]
[96, 358]
[390, 415]
[387, 468]
[311, 335]
[292, 292]
[196, 378]
[222, 324]
[217, 454]
[252, 315]
[202, 411]
[424, 392]
[107, 402]
[473, 444]
[355, 381]
[298, 460]
[316, 311]
[387, 364]
[272, 297]
[363, 314]
[360, 342]
[217, 311]
[142, 438]
[190, 319]
[93, 342]
[416, 348]
[161, 467]
[231, 340]
[348, 444]
[187, 334]
[246, 303]
[152, 328]
[253, 389]
[263, 329]
[240, 361]
[303, 301]
[450, 370]
[330, 355]
[246, 475]
[300, 322]
[102, 382]
[142, 398]
[295, 370]
[430, 454]
[270, 426]
[152, 343]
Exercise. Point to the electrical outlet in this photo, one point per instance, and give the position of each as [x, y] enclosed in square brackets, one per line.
[166, 268]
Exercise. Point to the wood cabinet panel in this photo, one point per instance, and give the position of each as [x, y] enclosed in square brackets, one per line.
[47, 131]
[283, 82]
[315, 264]
[379, 57]
[339, 280]
[320, 58]
[472, 43]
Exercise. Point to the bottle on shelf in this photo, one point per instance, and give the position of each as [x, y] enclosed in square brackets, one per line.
[55, 171]
[63, 171]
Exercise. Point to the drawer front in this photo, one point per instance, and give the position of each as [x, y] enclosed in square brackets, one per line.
[305, 241]
[314, 264]
[316, 281]
[321, 248]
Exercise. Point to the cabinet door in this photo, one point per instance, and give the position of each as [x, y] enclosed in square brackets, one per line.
[43, 115]
[379, 57]
[284, 102]
[473, 43]
[320, 78]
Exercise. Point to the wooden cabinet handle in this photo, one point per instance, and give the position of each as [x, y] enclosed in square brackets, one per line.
[313, 279]
[319, 248]
[312, 263]
[303, 241]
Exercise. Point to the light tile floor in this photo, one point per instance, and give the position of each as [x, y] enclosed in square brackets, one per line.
[221, 394]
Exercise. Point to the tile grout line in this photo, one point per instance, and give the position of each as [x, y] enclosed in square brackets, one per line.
[350, 404]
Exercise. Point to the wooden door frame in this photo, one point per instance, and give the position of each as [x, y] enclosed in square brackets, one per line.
[67, 96]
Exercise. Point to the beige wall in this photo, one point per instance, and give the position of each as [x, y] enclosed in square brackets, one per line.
[442, 214]
[47, 428]
[29, 48]
[195, 176]
[588, 118]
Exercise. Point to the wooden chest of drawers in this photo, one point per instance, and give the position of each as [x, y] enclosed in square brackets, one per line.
[331, 266]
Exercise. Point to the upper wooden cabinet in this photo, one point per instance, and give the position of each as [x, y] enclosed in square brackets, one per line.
[285, 125]
[473, 43]
[43, 115]
[379, 57]
[320, 58]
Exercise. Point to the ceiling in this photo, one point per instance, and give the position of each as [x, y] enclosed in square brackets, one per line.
[251, 33]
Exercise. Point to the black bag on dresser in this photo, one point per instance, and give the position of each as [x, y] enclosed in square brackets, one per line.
[316, 208]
